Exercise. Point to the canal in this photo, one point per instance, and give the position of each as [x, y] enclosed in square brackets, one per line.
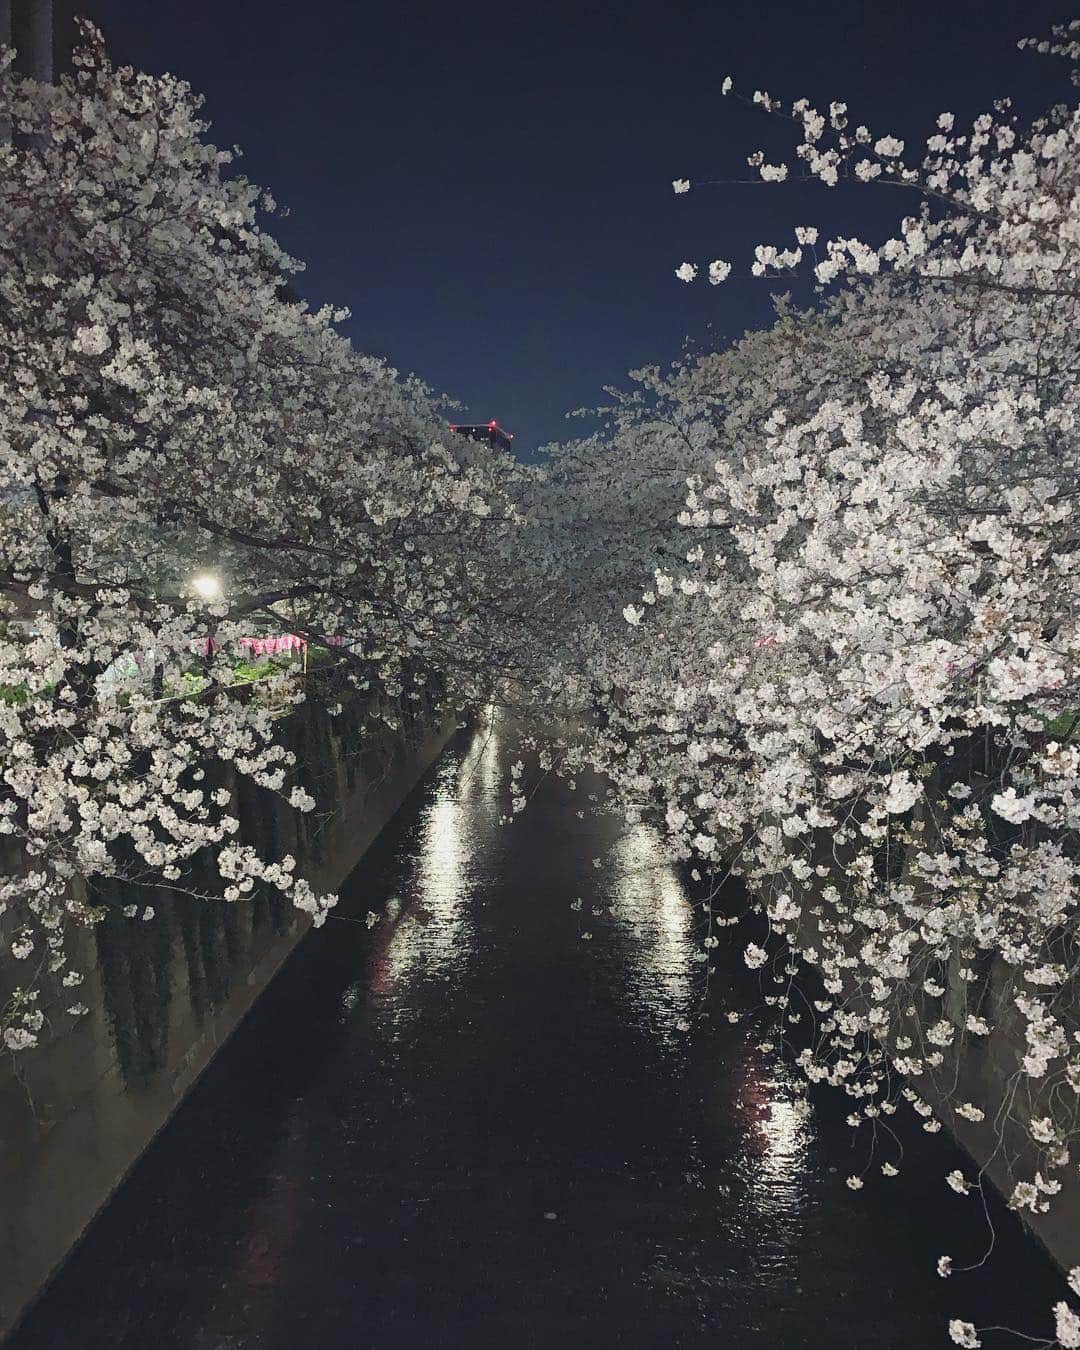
[502, 1116]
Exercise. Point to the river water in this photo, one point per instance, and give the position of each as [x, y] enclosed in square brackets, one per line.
[472, 1125]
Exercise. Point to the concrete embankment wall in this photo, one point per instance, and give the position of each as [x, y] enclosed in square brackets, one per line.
[987, 1071]
[164, 995]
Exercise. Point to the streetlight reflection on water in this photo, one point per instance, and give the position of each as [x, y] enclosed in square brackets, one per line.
[785, 1127]
[650, 901]
[641, 916]
[430, 932]
[666, 971]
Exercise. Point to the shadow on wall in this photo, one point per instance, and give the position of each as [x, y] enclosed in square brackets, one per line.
[202, 948]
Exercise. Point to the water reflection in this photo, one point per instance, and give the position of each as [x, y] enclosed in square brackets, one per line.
[786, 1127]
[428, 932]
[273, 1220]
[648, 898]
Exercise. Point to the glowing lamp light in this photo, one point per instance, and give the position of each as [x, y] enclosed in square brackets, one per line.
[206, 585]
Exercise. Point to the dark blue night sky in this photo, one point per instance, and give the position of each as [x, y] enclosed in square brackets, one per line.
[487, 187]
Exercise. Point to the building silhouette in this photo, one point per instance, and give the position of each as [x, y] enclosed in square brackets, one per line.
[489, 432]
[42, 33]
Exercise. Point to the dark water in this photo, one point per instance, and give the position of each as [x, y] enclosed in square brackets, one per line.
[470, 1127]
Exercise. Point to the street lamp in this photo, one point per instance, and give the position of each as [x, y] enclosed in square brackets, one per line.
[206, 585]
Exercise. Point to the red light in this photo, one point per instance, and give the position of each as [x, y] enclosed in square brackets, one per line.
[492, 425]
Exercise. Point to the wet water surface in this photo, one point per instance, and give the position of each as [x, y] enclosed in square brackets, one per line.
[475, 1126]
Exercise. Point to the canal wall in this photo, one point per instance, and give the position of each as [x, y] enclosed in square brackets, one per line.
[163, 996]
[986, 1071]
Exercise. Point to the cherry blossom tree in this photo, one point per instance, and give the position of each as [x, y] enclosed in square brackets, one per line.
[188, 454]
[857, 686]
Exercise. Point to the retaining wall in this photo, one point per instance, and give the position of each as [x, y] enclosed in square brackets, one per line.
[164, 996]
[988, 1072]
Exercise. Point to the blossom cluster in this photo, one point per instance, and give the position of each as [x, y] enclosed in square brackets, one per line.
[190, 454]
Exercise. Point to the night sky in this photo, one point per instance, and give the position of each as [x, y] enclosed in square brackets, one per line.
[488, 187]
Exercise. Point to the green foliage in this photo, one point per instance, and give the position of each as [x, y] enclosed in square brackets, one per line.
[1065, 725]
